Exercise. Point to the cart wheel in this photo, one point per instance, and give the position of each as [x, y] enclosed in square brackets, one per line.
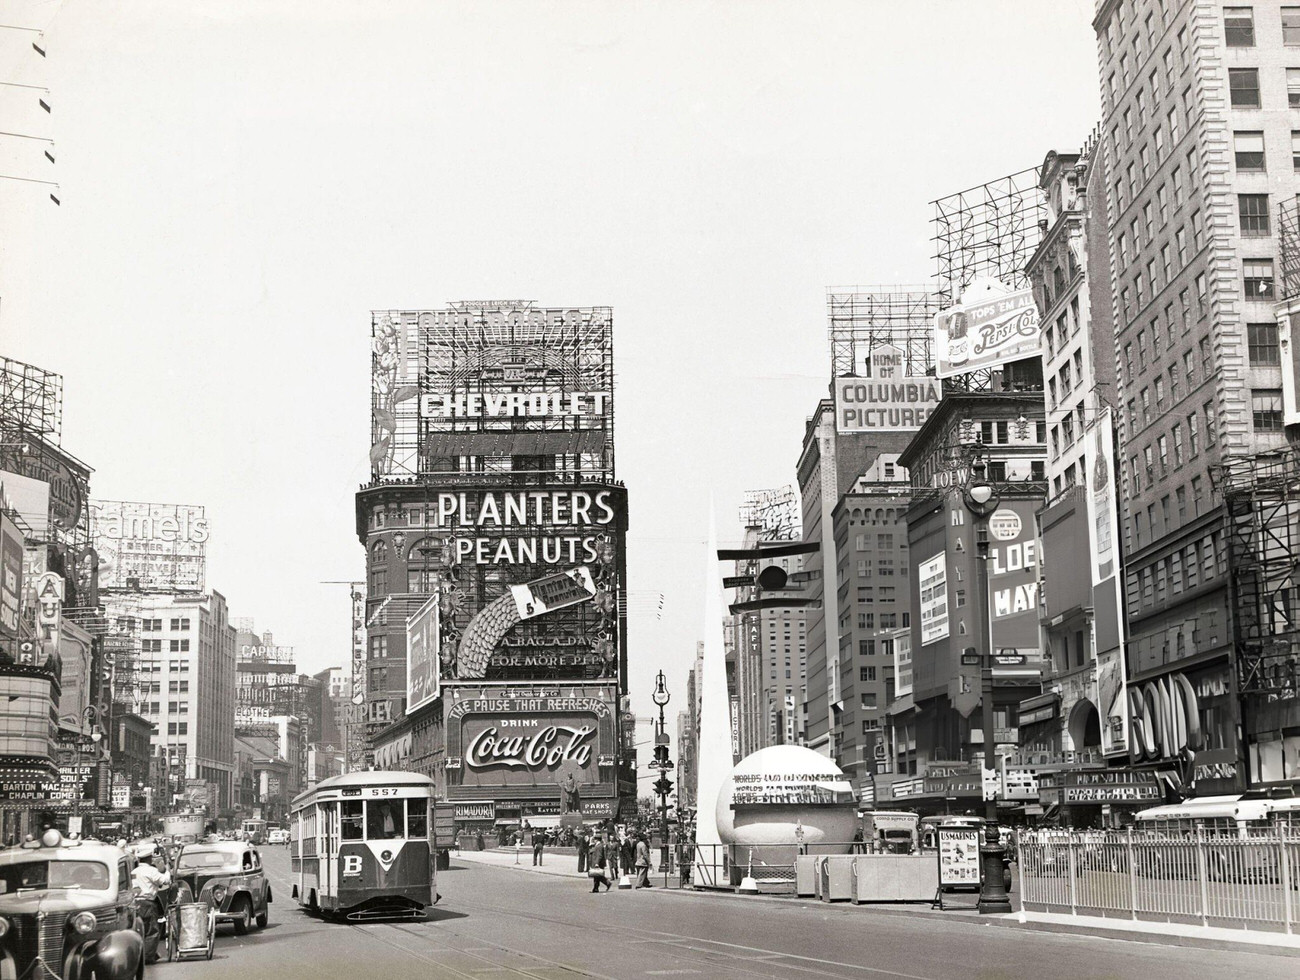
[173, 950]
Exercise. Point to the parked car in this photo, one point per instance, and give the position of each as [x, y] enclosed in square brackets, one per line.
[277, 836]
[229, 876]
[68, 903]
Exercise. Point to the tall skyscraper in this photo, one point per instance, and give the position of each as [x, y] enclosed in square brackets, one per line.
[1199, 104]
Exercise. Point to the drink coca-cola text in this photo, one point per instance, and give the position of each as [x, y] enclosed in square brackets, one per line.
[546, 749]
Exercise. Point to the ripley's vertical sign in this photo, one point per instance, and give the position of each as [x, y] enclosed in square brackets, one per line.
[884, 398]
[992, 325]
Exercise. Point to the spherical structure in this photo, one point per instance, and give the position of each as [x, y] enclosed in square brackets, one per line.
[789, 795]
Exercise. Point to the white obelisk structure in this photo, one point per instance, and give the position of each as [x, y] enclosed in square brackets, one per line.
[714, 751]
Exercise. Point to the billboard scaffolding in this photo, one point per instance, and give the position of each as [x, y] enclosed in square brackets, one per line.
[988, 231]
[31, 399]
[864, 318]
[492, 386]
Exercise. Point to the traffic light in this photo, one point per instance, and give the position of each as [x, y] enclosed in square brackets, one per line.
[662, 761]
[663, 786]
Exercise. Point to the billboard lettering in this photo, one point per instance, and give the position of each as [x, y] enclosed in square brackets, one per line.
[538, 404]
[541, 596]
[546, 749]
[11, 576]
[991, 326]
[149, 546]
[933, 578]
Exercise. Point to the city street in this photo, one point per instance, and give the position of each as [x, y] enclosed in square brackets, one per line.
[503, 923]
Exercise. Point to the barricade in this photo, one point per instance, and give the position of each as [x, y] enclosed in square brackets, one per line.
[1242, 882]
[894, 878]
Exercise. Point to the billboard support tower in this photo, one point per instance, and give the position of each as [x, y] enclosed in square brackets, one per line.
[989, 231]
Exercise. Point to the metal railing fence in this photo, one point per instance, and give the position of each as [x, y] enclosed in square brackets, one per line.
[1242, 882]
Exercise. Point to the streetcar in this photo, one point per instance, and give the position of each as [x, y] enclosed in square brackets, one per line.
[362, 848]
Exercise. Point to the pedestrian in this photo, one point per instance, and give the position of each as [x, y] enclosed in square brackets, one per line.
[583, 846]
[596, 861]
[642, 858]
[612, 853]
[627, 854]
[539, 842]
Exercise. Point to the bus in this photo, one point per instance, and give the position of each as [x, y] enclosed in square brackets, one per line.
[362, 846]
[1213, 816]
[254, 830]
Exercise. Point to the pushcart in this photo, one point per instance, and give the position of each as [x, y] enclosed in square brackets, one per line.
[191, 930]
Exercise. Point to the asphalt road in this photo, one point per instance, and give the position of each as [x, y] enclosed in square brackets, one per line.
[499, 923]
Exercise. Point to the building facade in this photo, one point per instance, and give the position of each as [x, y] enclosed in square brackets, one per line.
[493, 490]
[187, 682]
[1198, 102]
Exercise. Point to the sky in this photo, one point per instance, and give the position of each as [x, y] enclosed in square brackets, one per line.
[240, 184]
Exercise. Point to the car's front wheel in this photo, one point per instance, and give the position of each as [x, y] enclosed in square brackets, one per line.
[243, 912]
[263, 918]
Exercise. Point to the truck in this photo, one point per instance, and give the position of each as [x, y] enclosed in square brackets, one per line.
[183, 828]
[891, 831]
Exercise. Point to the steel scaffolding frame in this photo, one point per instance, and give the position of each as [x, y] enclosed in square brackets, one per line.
[31, 399]
[1262, 497]
[862, 318]
[1288, 231]
[990, 230]
[488, 347]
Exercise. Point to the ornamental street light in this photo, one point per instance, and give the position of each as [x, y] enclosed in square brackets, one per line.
[982, 497]
[91, 715]
[662, 762]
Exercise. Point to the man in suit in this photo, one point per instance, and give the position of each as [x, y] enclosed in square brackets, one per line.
[642, 862]
[596, 862]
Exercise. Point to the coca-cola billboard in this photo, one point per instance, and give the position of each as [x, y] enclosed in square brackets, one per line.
[536, 736]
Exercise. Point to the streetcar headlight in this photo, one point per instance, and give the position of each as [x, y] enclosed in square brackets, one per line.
[83, 922]
[219, 893]
[4, 927]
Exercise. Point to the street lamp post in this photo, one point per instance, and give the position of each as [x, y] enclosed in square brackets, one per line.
[90, 714]
[664, 764]
[982, 498]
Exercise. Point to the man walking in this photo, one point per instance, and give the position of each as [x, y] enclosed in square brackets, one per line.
[611, 852]
[642, 862]
[596, 864]
[539, 842]
[583, 845]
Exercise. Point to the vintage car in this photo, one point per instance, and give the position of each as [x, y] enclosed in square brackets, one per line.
[229, 876]
[68, 904]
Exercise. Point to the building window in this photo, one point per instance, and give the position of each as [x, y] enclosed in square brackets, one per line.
[1243, 83]
[1211, 433]
[1291, 25]
[1248, 148]
[1262, 339]
[1266, 409]
[1253, 210]
[1293, 87]
[1178, 445]
[1239, 27]
[1258, 274]
[378, 647]
[1193, 435]
[868, 673]
[378, 569]
[1162, 444]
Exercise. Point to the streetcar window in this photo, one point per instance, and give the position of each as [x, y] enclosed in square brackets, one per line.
[417, 819]
[384, 820]
[353, 828]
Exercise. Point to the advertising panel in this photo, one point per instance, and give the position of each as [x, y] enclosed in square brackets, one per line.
[959, 856]
[933, 579]
[792, 789]
[1013, 576]
[884, 398]
[160, 546]
[67, 480]
[536, 736]
[1108, 620]
[531, 580]
[552, 592]
[11, 576]
[992, 325]
[422, 674]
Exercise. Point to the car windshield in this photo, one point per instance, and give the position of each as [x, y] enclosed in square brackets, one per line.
[201, 860]
[39, 875]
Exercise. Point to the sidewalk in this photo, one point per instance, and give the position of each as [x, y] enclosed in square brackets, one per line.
[1128, 930]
